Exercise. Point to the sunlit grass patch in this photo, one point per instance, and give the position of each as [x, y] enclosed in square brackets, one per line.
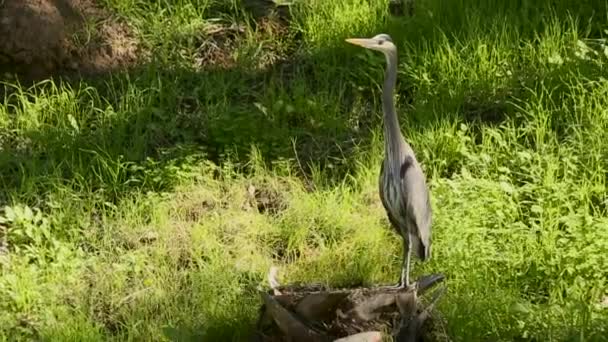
[150, 204]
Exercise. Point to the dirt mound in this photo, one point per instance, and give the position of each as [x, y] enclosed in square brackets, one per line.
[41, 38]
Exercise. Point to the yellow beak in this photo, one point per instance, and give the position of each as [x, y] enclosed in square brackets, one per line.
[364, 42]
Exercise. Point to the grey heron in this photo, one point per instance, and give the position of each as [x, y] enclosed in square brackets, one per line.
[403, 189]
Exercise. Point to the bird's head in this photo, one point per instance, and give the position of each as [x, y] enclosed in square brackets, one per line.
[381, 42]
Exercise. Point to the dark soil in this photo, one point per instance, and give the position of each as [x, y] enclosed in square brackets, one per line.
[42, 38]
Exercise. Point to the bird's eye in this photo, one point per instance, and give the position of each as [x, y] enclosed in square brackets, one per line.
[380, 42]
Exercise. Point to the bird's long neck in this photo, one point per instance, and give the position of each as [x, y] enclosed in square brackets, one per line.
[392, 133]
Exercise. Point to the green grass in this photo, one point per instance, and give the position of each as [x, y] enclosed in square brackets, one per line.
[128, 216]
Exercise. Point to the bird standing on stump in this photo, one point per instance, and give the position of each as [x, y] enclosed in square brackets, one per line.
[403, 189]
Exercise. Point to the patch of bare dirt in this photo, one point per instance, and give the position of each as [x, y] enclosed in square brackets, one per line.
[192, 206]
[218, 46]
[219, 41]
[265, 199]
[41, 38]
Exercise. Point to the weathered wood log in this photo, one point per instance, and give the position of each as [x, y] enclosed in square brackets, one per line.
[317, 313]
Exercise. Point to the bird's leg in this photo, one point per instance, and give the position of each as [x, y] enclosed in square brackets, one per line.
[404, 280]
[405, 268]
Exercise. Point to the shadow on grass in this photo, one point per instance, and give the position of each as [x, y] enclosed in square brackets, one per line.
[169, 115]
[301, 108]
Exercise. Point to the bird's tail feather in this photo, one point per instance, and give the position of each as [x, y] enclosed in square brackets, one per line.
[420, 249]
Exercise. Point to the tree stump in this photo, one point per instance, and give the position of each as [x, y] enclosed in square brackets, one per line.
[315, 313]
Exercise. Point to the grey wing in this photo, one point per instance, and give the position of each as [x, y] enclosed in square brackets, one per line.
[418, 207]
[385, 204]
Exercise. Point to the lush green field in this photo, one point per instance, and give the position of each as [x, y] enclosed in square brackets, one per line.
[130, 213]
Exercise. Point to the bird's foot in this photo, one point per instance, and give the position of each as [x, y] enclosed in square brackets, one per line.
[397, 287]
